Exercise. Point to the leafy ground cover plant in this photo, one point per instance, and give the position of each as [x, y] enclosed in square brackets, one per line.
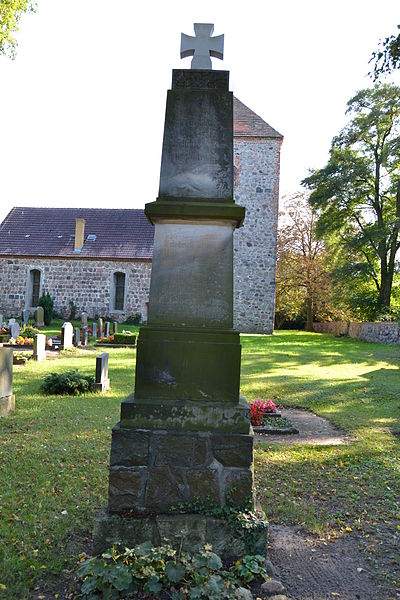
[70, 382]
[153, 570]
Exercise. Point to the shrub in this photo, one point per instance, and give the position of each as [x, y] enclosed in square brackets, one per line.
[46, 301]
[68, 383]
[259, 410]
[4, 337]
[122, 338]
[134, 319]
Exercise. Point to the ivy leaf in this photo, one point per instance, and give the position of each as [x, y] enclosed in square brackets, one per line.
[153, 586]
[214, 562]
[122, 578]
[89, 585]
[174, 572]
[144, 549]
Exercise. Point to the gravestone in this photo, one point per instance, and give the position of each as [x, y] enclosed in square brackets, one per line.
[185, 434]
[84, 319]
[66, 336]
[84, 335]
[39, 317]
[102, 381]
[14, 330]
[1, 320]
[107, 329]
[101, 327]
[115, 327]
[94, 329]
[77, 336]
[39, 347]
[7, 398]
[25, 316]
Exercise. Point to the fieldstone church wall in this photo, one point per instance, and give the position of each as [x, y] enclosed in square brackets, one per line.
[87, 283]
[256, 163]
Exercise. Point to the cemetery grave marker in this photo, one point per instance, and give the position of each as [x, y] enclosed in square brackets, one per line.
[94, 329]
[102, 380]
[85, 335]
[107, 329]
[84, 319]
[77, 336]
[7, 398]
[39, 347]
[101, 326]
[14, 330]
[25, 316]
[66, 336]
[115, 327]
[39, 317]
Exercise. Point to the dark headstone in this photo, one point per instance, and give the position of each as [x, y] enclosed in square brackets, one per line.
[115, 327]
[25, 316]
[94, 329]
[107, 329]
[85, 335]
[77, 336]
[102, 379]
[101, 327]
[84, 318]
[7, 398]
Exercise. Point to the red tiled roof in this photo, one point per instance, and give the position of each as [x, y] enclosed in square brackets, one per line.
[247, 124]
[120, 233]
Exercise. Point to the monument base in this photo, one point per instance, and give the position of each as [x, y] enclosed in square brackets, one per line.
[102, 386]
[187, 531]
[7, 406]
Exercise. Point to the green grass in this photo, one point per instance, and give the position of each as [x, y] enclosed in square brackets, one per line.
[54, 452]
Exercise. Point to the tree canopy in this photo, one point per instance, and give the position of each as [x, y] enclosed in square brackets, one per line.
[11, 12]
[357, 193]
[387, 57]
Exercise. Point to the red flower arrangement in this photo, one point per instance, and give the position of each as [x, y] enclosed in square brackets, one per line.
[258, 410]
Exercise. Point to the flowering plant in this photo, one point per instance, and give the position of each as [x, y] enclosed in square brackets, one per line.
[259, 409]
[24, 341]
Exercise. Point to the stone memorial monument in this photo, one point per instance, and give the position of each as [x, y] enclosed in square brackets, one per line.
[185, 433]
[94, 329]
[102, 380]
[107, 329]
[101, 326]
[115, 327]
[7, 398]
[15, 330]
[85, 335]
[84, 319]
[25, 316]
[77, 336]
[66, 336]
[39, 347]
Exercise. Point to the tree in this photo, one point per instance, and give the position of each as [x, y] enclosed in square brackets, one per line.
[387, 57]
[303, 285]
[357, 193]
[11, 12]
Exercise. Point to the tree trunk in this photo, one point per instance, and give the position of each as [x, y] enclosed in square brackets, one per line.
[309, 309]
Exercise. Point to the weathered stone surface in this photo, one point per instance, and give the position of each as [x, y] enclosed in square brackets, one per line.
[188, 416]
[239, 484]
[272, 588]
[7, 406]
[126, 488]
[39, 347]
[189, 532]
[382, 333]
[163, 490]
[129, 447]
[203, 483]
[172, 449]
[197, 159]
[6, 372]
[233, 450]
[116, 529]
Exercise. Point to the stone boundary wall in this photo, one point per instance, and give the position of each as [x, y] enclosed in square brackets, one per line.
[382, 333]
[88, 283]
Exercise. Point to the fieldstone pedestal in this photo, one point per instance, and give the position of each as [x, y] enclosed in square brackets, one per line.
[7, 398]
[185, 434]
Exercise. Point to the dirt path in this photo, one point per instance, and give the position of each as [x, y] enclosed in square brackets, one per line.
[312, 569]
[312, 430]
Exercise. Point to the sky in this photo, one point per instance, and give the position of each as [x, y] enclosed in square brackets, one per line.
[82, 106]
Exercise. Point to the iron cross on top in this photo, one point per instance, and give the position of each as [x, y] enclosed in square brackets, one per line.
[202, 46]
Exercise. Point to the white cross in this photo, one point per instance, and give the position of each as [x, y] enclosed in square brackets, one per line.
[202, 46]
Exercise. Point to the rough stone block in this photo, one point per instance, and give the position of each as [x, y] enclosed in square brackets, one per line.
[129, 447]
[203, 483]
[188, 531]
[128, 532]
[7, 406]
[126, 488]
[172, 449]
[239, 484]
[163, 489]
[233, 450]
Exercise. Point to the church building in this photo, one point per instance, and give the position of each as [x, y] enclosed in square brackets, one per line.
[100, 259]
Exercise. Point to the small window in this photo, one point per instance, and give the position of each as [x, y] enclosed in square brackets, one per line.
[34, 287]
[119, 291]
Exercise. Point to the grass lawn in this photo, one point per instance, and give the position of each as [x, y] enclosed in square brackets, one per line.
[54, 453]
